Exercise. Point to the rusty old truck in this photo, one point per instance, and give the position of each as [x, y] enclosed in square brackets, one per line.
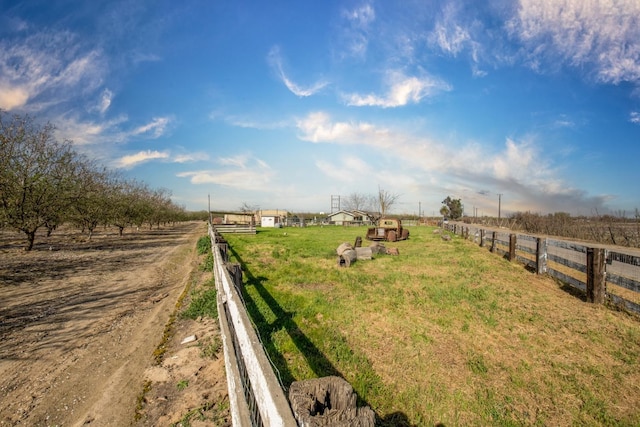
[388, 229]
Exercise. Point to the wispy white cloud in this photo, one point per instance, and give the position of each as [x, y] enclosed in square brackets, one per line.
[402, 90]
[105, 101]
[13, 96]
[520, 168]
[319, 128]
[564, 122]
[190, 157]
[132, 160]
[243, 172]
[140, 57]
[251, 123]
[600, 35]
[112, 131]
[47, 62]
[456, 32]
[156, 128]
[86, 132]
[275, 60]
[355, 28]
[448, 34]
[634, 117]
[360, 17]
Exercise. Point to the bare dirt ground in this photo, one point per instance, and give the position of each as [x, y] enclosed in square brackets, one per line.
[80, 322]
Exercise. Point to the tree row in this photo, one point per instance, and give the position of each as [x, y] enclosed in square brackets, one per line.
[45, 183]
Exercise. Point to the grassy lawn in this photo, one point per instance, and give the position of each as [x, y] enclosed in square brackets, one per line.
[446, 332]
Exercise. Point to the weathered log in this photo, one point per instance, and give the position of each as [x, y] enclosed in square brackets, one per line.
[328, 401]
[393, 251]
[378, 248]
[347, 258]
[343, 247]
[364, 253]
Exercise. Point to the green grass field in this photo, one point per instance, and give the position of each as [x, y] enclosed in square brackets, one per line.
[446, 332]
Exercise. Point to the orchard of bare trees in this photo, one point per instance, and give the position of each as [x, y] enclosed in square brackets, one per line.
[45, 183]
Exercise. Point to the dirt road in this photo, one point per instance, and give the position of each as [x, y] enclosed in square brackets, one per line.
[79, 322]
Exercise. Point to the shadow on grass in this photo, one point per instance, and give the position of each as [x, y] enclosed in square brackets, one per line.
[318, 362]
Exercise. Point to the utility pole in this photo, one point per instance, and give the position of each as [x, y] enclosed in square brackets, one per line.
[499, 205]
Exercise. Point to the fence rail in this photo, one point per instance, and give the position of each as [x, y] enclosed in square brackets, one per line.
[587, 268]
[255, 395]
[236, 228]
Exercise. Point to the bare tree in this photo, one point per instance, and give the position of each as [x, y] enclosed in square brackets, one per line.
[37, 175]
[357, 202]
[90, 207]
[247, 208]
[386, 201]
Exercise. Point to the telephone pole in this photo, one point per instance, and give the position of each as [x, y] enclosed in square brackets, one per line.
[499, 204]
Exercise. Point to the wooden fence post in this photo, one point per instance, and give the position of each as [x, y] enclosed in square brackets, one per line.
[512, 247]
[595, 275]
[494, 237]
[541, 255]
[235, 271]
[482, 237]
[223, 250]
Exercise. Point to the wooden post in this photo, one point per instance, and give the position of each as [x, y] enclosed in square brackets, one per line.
[541, 255]
[223, 250]
[494, 237]
[328, 401]
[512, 247]
[482, 237]
[235, 271]
[595, 275]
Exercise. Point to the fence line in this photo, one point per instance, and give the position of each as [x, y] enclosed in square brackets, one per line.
[255, 395]
[578, 265]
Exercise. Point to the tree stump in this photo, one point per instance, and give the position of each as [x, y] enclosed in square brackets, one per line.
[328, 401]
[348, 257]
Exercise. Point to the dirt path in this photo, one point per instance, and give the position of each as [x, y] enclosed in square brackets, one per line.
[79, 322]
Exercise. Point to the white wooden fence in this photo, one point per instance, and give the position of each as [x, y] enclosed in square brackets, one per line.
[255, 395]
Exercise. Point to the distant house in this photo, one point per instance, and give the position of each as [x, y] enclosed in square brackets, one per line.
[343, 217]
[271, 221]
[272, 218]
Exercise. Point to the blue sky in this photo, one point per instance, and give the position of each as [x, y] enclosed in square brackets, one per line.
[282, 104]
